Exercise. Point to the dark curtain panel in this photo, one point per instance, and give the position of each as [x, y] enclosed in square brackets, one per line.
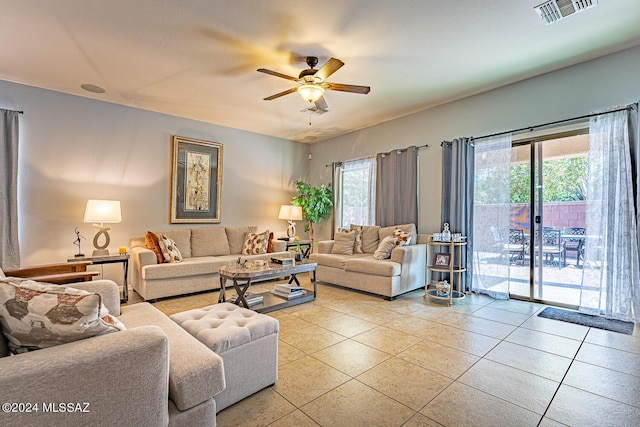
[457, 194]
[397, 187]
[9, 249]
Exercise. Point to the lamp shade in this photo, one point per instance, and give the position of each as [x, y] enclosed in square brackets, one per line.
[102, 211]
[289, 212]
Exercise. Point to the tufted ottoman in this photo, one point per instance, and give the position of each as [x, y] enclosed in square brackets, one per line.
[247, 342]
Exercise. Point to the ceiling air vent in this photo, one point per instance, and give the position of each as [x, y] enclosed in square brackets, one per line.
[555, 10]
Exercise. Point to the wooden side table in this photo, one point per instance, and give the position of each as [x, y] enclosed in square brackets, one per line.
[111, 259]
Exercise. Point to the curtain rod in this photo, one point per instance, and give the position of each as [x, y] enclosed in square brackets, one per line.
[16, 111]
[530, 128]
[362, 158]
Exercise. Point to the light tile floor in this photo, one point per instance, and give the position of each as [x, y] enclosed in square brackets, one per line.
[352, 359]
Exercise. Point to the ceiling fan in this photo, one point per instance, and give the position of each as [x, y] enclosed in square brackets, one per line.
[312, 83]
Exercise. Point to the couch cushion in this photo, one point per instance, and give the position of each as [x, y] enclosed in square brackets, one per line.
[182, 239]
[152, 242]
[235, 236]
[385, 247]
[222, 327]
[195, 373]
[209, 241]
[369, 265]
[370, 238]
[333, 260]
[170, 250]
[188, 267]
[344, 242]
[408, 228]
[37, 315]
[255, 243]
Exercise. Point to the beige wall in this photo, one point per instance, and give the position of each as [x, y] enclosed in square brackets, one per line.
[582, 89]
[74, 148]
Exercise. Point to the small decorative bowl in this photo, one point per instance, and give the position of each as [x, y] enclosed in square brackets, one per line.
[442, 289]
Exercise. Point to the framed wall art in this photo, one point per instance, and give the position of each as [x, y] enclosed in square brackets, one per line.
[196, 181]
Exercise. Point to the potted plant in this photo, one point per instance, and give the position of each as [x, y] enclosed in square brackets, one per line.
[298, 253]
[316, 202]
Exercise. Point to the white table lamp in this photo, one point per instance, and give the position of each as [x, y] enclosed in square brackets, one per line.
[102, 211]
[291, 214]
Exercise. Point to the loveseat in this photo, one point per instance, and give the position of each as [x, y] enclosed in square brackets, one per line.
[402, 272]
[154, 373]
[204, 250]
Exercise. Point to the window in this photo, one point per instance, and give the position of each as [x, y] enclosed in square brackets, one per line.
[355, 192]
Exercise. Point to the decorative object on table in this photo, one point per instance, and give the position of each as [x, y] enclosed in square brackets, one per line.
[442, 260]
[446, 233]
[102, 211]
[457, 237]
[76, 242]
[436, 237]
[282, 261]
[122, 250]
[196, 181]
[291, 214]
[442, 288]
[298, 253]
[316, 203]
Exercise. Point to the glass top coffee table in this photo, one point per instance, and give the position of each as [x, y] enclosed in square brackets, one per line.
[242, 277]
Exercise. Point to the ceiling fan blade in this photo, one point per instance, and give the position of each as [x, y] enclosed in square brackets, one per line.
[347, 88]
[330, 67]
[278, 95]
[277, 74]
[321, 104]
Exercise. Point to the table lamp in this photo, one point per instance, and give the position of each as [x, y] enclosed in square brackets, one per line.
[101, 211]
[291, 214]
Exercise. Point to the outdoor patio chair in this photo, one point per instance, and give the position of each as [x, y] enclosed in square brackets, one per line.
[573, 238]
[516, 245]
[552, 246]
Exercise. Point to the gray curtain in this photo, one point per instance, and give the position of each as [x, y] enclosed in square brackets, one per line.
[457, 194]
[397, 187]
[9, 249]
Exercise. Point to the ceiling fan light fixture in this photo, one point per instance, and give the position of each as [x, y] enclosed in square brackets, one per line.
[310, 93]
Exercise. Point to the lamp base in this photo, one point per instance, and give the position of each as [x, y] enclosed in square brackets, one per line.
[100, 252]
[291, 230]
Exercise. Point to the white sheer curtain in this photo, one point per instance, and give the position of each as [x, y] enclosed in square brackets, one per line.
[9, 249]
[611, 275]
[491, 199]
[355, 192]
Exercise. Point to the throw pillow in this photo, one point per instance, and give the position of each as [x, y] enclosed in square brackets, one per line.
[37, 315]
[403, 237]
[152, 242]
[385, 247]
[270, 244]
[236, 237]
[255, 243]
[344, 242]
[357, 248]
[170, 251]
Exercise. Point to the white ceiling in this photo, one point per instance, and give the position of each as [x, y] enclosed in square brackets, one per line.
[198, 58]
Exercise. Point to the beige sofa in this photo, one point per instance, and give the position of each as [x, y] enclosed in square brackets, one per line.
[151, 374]
[403, 272]
[204, 251]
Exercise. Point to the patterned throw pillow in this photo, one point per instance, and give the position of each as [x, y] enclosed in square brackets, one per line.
[403, 237]
[152, 242]
[255, 243]
[357, 248]
[37, 315]
[170, 251]
[385, 247]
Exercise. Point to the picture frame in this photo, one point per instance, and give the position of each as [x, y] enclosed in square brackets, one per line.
[442, 260]
[196, 181]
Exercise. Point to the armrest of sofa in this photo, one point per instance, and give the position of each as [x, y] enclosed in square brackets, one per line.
[107, 289]
[324, 246]
[142, 256]
[104, 380]
[410, 255]
[279, 245]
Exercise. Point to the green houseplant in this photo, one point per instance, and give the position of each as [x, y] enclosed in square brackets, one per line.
[316, 202]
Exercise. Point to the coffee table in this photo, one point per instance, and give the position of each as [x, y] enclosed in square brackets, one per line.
[242, 278]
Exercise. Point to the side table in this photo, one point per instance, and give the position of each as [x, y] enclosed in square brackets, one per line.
[305, 246]
[110, 259]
